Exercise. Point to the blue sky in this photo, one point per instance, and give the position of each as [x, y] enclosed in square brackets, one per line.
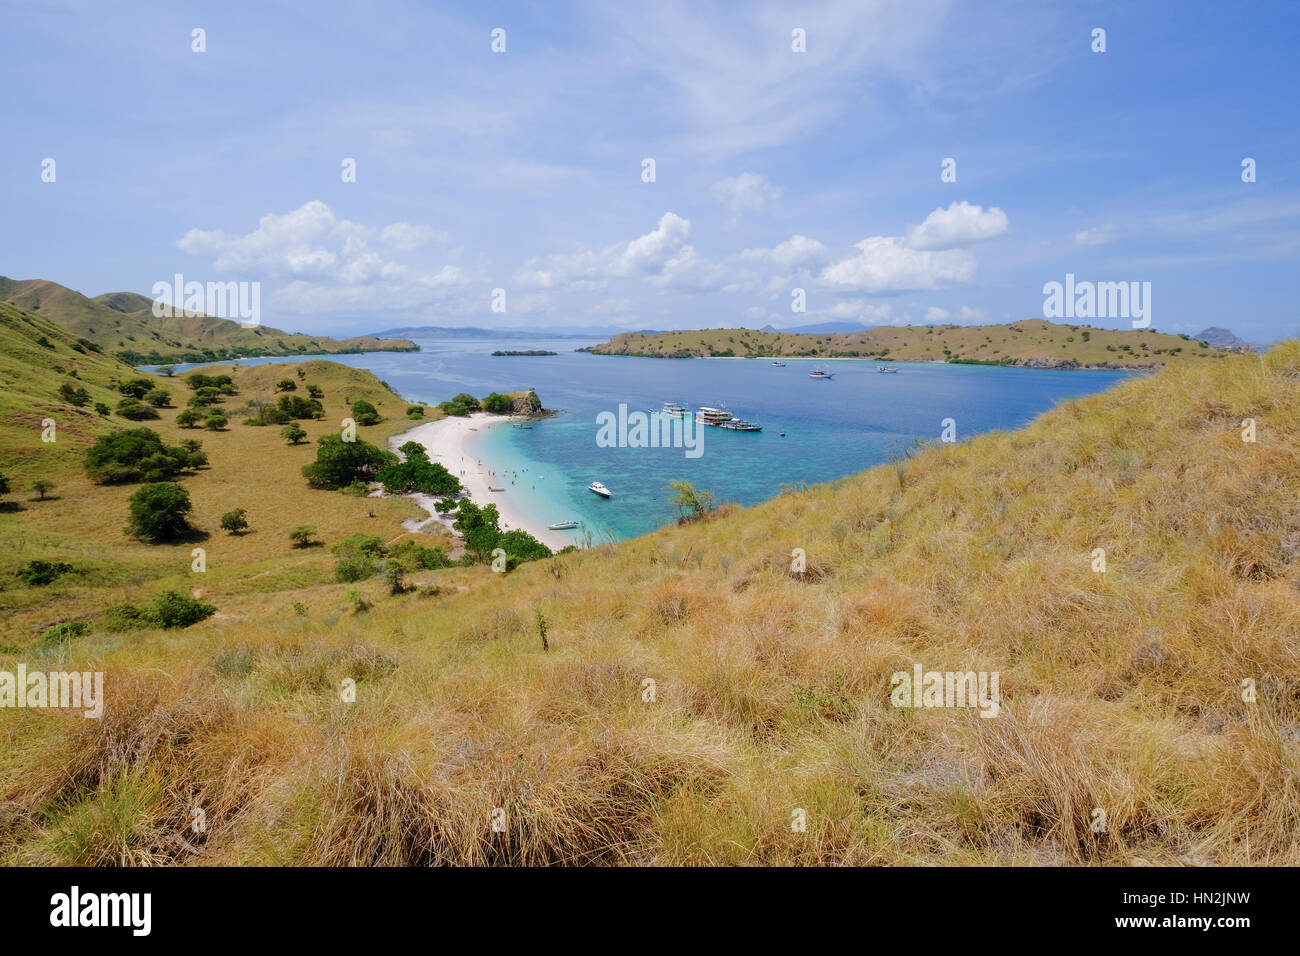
[774, 170]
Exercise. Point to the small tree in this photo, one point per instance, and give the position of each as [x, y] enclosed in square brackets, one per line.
[315, 391]
[133, 409]
[364, 413]
[158, 397]
[235, 521]
[301, 536]
[189, 418]
[286, 385]
[215, 422]
[691, 504]
[293, 433]
[102, 408]
[42, 486]
[159, 512]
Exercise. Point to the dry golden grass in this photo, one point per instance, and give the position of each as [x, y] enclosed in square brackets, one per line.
[1120, 691]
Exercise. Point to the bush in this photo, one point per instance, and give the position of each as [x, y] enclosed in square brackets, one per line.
[301, 536]
[315, 391]
[415, 411]
[42, 486]
[499, 404]
[215, 422]
[135, 387]
[65, 632]
[159, 512]
[74, 395]
[295, 406]
[101, 408]
[133, 409]
[417, 473]
[158, 397]
[355, 569]
[189, 418]
[235, 522]
[136, 454]
[417, 557]
[168, 610]
[363, 413]
[482, 535]
[361, 545]
[198, 380]
[462, 405]
[38, 573]
[294, 434]
[286, 385]
[339, 463]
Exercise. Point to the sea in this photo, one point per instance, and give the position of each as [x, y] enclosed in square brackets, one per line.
[813, 430]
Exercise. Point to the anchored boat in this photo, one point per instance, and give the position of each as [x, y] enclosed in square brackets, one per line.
[886, 368]
[563, 525]
[600, 489]
[819, 373]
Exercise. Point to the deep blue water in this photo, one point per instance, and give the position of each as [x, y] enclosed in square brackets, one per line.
[832, 428]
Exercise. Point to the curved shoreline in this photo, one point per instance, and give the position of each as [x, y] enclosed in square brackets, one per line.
[450, 442]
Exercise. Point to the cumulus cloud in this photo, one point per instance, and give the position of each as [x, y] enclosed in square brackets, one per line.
[883, 264]
[969, 314]
[748, 192]
[794, 252]
[662, 256]
[936, 314]
[961, 224]
[329, 262]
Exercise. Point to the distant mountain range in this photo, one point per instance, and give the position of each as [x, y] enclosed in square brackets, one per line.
[123, 325]
[512, 332]
[1224, 339]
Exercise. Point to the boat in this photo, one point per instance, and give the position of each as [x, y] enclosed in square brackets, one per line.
[600, 489]
[562, 525]
[676, 410]
[818, 373]
[490, 488]
[778, 364]
[712, 416]
[736, 425]
[886, 368]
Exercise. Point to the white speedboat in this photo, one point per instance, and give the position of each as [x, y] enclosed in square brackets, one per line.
[820, 374]
[600, 489]
[779, 364]
[563, 525]
[885, 368]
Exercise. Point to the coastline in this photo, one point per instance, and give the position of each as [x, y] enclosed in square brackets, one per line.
[450, 442]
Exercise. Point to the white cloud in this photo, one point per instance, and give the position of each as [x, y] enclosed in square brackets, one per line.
[883, 264]
[961, 224]
[612, 307]
[863, 311]
[936, 314]
[794, 252]
[1094, 236]
[968, 314]
[748, 192]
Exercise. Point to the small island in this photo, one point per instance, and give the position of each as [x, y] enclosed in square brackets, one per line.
[523, 352]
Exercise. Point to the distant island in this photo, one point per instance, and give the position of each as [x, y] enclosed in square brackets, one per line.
[1031, 343]
[524, 352]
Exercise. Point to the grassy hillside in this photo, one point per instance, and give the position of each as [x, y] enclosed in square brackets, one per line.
[123, 324]
[1032, 342]
[1121, 691]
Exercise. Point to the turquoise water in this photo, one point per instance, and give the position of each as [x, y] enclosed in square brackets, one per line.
[832, 428]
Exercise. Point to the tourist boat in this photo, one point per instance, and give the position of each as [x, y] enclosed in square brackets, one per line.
[676, 410]
[778, 364]
[563, 525]
[712, 416]
[818, 373]
[736, 425]
[886, 368]
[600, 489]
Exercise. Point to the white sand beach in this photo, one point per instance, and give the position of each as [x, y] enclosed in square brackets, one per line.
[449, 442]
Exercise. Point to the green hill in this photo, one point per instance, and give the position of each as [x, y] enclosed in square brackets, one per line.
[1034, 343]
[123, 325]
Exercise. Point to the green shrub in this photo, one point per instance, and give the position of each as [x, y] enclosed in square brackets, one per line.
[169, 610]
[235, 522]
[136, 454]
[339, 463]
[65, 632]
[354, 569]
[38, 573]
[133, 409]
[364, 413]
[159, 512]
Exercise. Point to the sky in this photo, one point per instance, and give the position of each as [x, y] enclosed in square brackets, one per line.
[662, 165]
